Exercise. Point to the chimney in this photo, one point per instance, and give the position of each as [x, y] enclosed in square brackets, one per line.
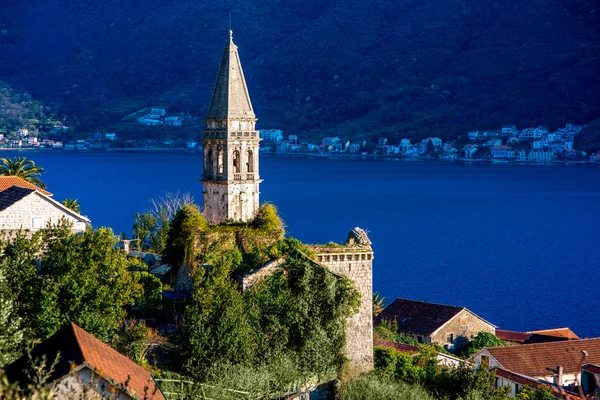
[559, 375]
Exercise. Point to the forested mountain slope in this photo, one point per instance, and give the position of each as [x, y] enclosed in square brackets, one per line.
[316, 66]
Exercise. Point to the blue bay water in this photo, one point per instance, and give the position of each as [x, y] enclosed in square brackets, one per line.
[517, 245]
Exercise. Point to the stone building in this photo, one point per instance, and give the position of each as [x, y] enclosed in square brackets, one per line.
[449, 326]
[231, 145]
[23, 208]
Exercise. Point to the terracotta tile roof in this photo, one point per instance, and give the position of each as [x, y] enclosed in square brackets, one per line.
[79, 347]
[535, 359]
[512, 336]
[541, 336]
[13, 194]
[528, 381]
[400, 347]
[8, 181]
[557, 332]
[418, 316]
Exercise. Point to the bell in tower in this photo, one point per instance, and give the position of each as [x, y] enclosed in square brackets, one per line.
[231, 144]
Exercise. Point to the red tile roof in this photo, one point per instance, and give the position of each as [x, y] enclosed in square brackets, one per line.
[557, 332]
[541, 336]
[81, 348]
[528, 381]
[400, 347]
[9, 181]
[535, 360]
[512, 336]
[111, 364]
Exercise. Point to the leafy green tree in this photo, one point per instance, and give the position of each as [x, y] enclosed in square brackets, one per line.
[72, 204]
[11, 335]
[60, 277]
[181, 246]
[144, 227]
[23, 168]
[136, 341]
[481, 340]
[152, 286]
[539, 393]
[217, 325]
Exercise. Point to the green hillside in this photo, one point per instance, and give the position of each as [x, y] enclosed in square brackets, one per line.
[314, 67]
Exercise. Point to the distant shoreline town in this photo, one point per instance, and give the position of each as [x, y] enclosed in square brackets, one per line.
[509, 144]
[506, 145]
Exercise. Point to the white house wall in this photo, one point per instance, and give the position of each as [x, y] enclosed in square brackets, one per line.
[20, 215]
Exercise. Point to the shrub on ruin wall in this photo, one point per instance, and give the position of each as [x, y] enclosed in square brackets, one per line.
[193, 241]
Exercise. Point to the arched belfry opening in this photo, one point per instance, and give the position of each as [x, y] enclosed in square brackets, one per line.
[250, 163]
[236, 162]
[209, 164]
[221, 162]
[231, 180]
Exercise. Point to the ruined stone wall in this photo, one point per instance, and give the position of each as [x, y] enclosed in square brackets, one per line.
[356, 263]
[246, 281]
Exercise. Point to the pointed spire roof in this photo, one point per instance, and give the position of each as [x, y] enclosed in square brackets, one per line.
[230, 99]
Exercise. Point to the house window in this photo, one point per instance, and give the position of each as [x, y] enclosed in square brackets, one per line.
[334, 258]
[450, 338]
[420, 339]
[356, 257]
[36, 223]
[485, 361]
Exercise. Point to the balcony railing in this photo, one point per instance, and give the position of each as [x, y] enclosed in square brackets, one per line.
[237, 177]
[249, 177]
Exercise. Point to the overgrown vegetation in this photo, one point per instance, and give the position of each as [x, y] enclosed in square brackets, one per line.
[289, 326]
[192, 241]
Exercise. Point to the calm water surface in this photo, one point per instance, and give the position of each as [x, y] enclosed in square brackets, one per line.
[518, 245]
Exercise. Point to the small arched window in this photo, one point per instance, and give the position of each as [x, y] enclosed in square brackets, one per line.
[236, 162]
[221, 166]
[209, 164]
[250, 164]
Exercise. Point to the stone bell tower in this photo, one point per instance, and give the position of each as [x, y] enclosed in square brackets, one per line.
[231, 145]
